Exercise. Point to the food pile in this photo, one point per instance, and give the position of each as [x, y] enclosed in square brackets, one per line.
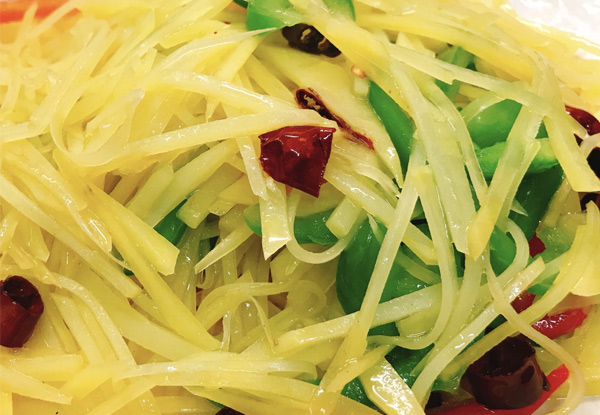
[299, 206]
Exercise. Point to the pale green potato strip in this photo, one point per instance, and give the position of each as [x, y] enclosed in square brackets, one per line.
[388, 390]
[14, 381]
[104, 266]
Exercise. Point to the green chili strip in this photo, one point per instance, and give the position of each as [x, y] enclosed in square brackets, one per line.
[397, 124]
[493, 124]
[534, 195]
[488, 158]
[263, 14]
[459, 57]
[171, 227]
[307, 229]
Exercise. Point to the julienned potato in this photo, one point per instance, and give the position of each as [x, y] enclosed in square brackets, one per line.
[133, 191]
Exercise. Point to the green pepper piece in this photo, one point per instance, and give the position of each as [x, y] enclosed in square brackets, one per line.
[397, 124]
[493, 124]
[459, 57]
[263, 14]
[345, 7]
[488, 158]
[355, 266]
[503, 250]
[252, 218]
[356, 391]
[405, 360]
[534, 195]
[543, 286]
[268, 13]
[353, 390]
[171, 227]
[307, 229]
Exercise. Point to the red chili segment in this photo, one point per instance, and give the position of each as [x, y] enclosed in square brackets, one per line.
[14, 10]
[309, 99]
[559, 324]
[20, 309]
[297, 156]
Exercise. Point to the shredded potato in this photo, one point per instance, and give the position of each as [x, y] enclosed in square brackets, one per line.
[117, 115]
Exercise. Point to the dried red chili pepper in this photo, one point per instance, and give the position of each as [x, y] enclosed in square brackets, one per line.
[508, 376]
[555, 379]
[297, 156]
[308, 39]
[309, 99]
[589, 197]
[592, 126]
[587, 120]
[20, 309]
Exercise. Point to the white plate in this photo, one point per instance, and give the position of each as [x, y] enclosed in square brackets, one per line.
[581, 17]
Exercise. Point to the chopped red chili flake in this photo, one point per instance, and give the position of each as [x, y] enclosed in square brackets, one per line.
[559, 324]
[536, 246]
[297, 156]
[309, 99]
[523, 301]
[20, 308]
[553, 325]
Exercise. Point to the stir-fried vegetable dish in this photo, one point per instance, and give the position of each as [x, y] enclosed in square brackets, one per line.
[296, 206]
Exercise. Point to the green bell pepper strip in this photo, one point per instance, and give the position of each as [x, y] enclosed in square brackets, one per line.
[534, 195]
[459, 57]
[356, 391]
[502, 250]
[405, 360]
[264, 14]
[493, 124]
[307, 229]
[171, 227]
[354, 269]
[395, 121]
[353, 390]
[488, 158]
